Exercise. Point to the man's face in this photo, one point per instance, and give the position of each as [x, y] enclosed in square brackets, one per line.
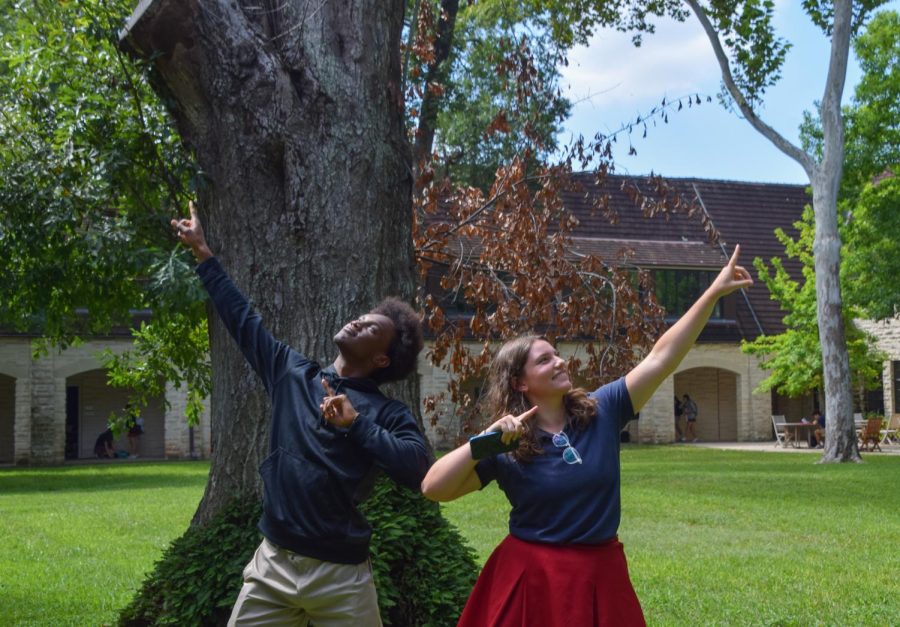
[366, 340]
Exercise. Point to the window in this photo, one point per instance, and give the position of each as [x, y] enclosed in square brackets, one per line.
[676, 290]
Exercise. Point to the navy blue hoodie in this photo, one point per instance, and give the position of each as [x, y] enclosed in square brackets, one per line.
[316, 474]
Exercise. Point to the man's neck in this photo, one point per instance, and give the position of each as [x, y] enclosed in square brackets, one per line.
[345, 368]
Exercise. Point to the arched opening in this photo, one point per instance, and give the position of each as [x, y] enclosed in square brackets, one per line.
[95, 400]
[7, 418]
[715, 392]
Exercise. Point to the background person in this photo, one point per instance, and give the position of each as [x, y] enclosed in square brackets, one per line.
[690, 418]
[562, 564]
[135, 426]
[679, 412]
[103, 446]
[817, 435]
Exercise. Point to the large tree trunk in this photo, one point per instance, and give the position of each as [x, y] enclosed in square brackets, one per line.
[294, 112]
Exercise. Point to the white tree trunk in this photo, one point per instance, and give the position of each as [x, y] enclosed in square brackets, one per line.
[840, 434]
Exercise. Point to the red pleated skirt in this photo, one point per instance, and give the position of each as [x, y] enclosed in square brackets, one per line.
[525, 584]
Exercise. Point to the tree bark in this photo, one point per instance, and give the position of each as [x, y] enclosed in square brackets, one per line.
[840, 432]
[295, 115]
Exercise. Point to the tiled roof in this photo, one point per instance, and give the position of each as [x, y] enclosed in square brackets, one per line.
[743, 213]
[643, 252]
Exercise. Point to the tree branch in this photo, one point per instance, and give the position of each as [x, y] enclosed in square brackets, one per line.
[792, 151]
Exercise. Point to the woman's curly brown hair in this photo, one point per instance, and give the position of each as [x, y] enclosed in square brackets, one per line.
[502, 397]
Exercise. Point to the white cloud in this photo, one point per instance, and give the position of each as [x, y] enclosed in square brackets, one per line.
[610, 71]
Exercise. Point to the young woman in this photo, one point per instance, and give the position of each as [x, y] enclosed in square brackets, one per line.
[562, 564]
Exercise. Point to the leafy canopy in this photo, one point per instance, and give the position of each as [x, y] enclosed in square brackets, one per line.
[795, 356]
[868, 192]
[90, 168]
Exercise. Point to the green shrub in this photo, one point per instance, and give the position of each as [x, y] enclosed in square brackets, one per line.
[423, 568]
[199, 576]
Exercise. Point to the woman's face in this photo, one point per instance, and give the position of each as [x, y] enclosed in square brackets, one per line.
[545, 374]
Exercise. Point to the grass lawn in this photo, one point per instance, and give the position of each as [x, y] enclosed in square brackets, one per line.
[734, 538]
[712, 537]
[78, 540]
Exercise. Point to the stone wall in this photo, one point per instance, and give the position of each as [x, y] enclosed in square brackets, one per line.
[178, 432]
[887, 334]
[38, 423]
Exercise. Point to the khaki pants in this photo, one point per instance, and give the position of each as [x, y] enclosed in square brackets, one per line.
[283, 588]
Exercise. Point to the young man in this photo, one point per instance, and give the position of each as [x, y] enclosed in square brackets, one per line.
[331, 430]
[816, 438]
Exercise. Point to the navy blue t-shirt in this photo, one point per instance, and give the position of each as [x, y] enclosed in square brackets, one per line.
[553, 501]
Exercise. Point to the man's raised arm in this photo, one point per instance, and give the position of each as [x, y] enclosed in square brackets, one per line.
[266, 355]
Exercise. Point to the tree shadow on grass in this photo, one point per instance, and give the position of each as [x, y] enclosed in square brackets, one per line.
[103, 477]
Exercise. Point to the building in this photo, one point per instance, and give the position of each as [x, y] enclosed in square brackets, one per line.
[887, 335]
[716, 374]
[52, 408]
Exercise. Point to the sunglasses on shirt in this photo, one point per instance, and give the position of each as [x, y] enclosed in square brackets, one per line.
[570, 455]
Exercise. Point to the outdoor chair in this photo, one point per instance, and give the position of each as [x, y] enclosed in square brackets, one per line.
[870, 434]
[889, 434]
[782, 435]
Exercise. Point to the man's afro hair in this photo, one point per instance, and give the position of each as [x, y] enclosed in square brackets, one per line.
[407, 342]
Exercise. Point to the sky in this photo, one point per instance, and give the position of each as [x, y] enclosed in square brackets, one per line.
[611, 82]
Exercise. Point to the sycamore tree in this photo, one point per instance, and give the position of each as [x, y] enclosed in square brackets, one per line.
[869, 222]
[794, 357]
[744, 30]
[750, 54]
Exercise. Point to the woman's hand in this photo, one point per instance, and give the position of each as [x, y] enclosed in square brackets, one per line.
[732, 277]
[511, 427]
[453, 475]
